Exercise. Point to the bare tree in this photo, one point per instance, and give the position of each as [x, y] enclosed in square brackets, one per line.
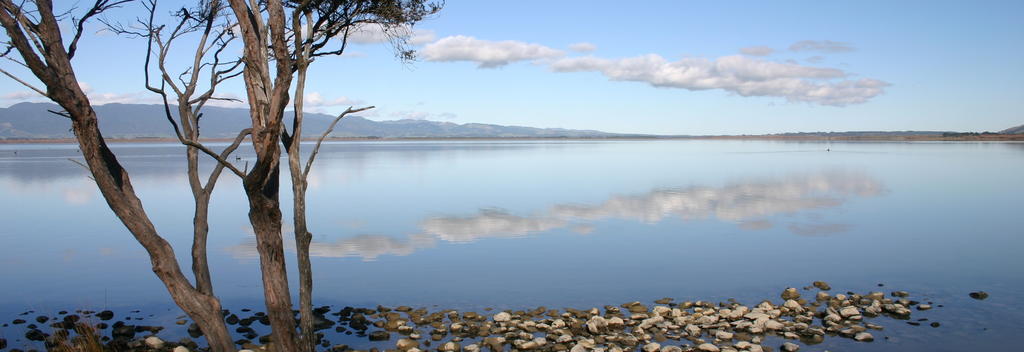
[213, 27]
[314, 25]
[35, 35]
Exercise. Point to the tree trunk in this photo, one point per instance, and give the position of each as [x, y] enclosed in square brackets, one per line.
[201, 229]
[261, 187]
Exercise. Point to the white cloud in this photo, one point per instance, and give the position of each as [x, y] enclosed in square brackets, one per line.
[23, 95]
[582, 47]
[826, 46]
[375, 33]
[488, 223]
[757, 51]
[315, 99]
[486, 53]
[741, 75]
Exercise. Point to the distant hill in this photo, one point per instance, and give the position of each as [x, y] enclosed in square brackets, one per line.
[864, 134]
[33, 121]
[1013, 130]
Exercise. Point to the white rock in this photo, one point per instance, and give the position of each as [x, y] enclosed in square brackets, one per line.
[850, 311]
[597, 324]
[773, 325]
[662, 310]
[707, 347]
[693, 330]
[723, 335]
[472, 348]
[502, 317]
[864, 337]
[793, 306]
[154, 342]
[183, 349]
[790, 347]
[652, 347]
[671, 349]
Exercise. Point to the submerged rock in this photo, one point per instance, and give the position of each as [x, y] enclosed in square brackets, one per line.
[979, 295]
[790, 293]
[821, 285]
[790, 347]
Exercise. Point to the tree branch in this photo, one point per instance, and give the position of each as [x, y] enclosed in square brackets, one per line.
[316, 149]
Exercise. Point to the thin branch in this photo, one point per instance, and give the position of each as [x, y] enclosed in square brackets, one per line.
[26, 84]
[97, 8]
[316, 149]
[84, 166]
[215, 175]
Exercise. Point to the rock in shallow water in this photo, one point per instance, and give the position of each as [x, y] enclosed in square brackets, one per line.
[502, 317]
[790, 347]
[979, 295]
[821, 285]
[790, 293]
[380, 336]
[154, 342]
[864, 337]
[707, 347]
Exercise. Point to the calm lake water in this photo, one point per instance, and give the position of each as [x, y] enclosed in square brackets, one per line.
[519, 224]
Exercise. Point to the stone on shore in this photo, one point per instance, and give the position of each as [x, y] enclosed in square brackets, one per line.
[864, 337]
[502, 317]
[154, 342]
[707, 347]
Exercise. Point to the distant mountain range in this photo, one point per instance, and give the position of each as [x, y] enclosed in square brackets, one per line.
[1013, 130]
[34, 121]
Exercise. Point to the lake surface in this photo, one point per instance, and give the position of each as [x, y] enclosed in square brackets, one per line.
[519, 224]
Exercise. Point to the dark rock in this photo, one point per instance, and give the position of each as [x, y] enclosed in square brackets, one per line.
[35, 335]
[194, 331]
[18, 321]
[339, 348]
[126, 332]
[979, 295]
[3, 343]
[105, 315]
[232, 319]
[42, 319]
[935, 324]
[265, 339]
[380, 336]
[821, 285]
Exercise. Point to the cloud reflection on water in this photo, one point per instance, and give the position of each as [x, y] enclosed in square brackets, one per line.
[747, 204]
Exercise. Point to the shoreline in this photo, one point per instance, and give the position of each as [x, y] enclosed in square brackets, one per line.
[811, 138]
[803, 317]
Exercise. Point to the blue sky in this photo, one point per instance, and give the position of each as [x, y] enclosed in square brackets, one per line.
[666, 67]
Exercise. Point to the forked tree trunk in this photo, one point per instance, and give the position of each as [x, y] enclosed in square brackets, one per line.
[54, 70]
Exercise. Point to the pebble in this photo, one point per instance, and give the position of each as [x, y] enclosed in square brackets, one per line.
[502, 317]
[924, 307]
[707, 347]
[405, 344]
[790, 347]
[864, 337]
[154, 342]
[979, 295]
